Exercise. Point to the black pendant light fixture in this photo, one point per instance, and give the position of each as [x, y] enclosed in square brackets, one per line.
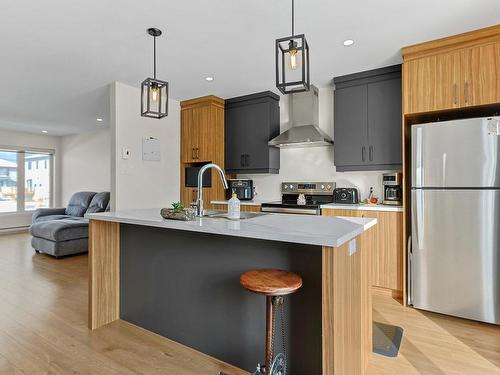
[154, 92]
[292, 62]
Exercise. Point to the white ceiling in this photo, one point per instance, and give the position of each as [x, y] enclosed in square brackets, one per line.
[57, 56]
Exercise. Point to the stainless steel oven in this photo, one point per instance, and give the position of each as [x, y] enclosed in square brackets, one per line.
[303, 198]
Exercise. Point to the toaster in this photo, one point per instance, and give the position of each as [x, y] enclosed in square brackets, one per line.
[346, 195]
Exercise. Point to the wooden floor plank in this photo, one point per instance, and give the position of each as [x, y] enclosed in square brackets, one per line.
[43, 330]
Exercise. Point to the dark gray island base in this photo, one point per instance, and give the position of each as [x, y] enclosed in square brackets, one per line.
[181, 280]
[185, 286]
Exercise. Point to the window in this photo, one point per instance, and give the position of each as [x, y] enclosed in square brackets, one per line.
[8, 181]
[39, 195]
[20, 172]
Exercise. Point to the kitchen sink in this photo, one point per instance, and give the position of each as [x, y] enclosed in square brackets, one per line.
[223, 214]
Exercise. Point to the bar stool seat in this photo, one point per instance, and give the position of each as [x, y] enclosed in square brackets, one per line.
[271, 282]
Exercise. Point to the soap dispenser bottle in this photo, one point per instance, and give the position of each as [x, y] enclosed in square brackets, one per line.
[233, 208]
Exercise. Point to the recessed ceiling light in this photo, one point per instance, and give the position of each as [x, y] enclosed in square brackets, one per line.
[348, 42]
[99, 119]
[44, 131]
[209, 78]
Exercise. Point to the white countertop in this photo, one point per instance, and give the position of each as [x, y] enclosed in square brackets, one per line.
[363, 207]
[305, 229]
[243, 203]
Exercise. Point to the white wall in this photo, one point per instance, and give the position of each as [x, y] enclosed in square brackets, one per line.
[313, 164]
[136, 183]
[85, 163]
[30, 140]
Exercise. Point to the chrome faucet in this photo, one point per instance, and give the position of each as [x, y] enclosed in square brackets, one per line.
[199, 200]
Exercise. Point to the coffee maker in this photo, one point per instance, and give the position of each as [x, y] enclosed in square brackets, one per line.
[393, 191]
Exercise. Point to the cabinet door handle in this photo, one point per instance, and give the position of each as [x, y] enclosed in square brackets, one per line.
[363, 153]
[197, 153]
[242, 161]
[455, 96]
[371, 153]
[466, 92]
[247, 160]
[192, 153]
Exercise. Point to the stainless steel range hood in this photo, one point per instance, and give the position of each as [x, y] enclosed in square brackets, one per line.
[305, 132]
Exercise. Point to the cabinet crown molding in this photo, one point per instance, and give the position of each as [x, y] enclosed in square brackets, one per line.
[471, 38]
[202, 102]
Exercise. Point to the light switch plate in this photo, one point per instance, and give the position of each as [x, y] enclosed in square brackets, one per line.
[352, 247]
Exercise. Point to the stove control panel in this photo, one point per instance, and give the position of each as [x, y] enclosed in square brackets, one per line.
[326, 188]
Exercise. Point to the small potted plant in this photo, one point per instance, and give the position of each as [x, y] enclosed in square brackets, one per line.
[178, 212]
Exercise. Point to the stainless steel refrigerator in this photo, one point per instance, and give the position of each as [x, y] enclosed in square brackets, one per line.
[454, 257]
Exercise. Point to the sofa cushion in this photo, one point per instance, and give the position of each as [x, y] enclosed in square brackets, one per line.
[79, 203]
[60, 248]
[61, 230]
[99, 203]
[52, 217]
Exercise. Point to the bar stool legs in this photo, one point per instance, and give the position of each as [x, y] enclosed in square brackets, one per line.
[271, 303]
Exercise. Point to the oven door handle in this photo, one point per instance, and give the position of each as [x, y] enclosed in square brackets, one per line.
[284, 210]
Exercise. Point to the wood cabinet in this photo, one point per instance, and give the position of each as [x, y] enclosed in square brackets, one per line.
[367, 124]
[202, 142]
[201, 128]
[455, 72]
[432, 83]
[387, 251]
[243, 207]
[481, 74]
[250, 122]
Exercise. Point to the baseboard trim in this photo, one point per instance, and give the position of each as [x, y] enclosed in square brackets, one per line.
[14, 230]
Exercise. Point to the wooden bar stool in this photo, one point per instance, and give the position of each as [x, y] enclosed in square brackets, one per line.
[274, 284]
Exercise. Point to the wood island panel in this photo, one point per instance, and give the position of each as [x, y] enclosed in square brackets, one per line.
[347, 306]
[104, 273]
[347, 316]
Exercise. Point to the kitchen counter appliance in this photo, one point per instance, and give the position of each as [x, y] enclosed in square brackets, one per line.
[315, 194]
[346, 196]
[454, 257]
[393, 192]
[242, 188]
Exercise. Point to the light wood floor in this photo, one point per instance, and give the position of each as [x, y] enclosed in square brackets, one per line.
[43, 324]
[43, 330]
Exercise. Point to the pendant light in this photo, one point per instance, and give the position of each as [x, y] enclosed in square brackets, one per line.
[154, 92]
[292, 62]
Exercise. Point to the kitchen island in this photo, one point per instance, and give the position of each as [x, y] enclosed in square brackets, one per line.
[181, 280]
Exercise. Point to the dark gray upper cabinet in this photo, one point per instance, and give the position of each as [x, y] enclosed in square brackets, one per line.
[250, 122]
[367, 120]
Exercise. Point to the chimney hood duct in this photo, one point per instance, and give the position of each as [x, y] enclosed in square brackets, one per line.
[305, 132]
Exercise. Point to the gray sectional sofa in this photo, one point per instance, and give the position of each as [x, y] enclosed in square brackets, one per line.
[65, 231]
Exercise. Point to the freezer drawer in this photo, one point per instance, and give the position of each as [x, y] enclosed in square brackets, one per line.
[455, 252]
[461, 153]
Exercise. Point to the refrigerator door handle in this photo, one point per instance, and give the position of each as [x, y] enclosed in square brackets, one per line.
[409, 275]
[418, 227]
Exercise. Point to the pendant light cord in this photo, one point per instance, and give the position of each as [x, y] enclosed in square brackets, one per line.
[154, 57]
[293, 17]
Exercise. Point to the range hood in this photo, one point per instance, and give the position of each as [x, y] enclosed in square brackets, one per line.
[305, 132]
